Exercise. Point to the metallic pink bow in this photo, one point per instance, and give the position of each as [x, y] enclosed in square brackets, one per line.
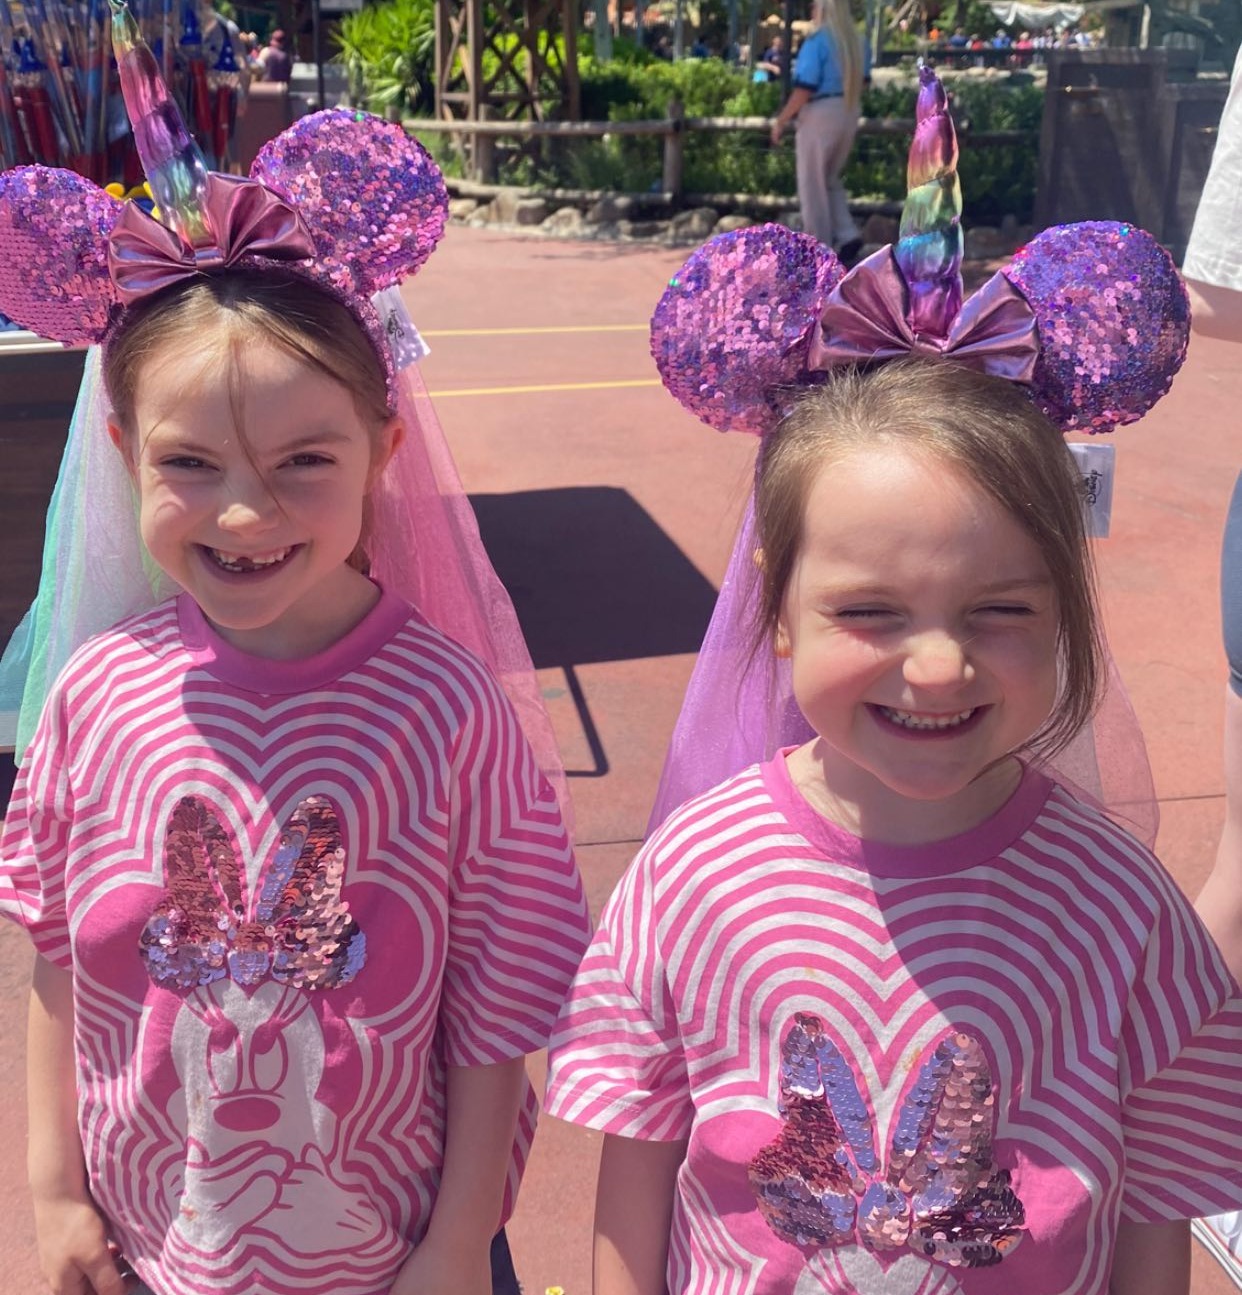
[865, 320]
[245, 218]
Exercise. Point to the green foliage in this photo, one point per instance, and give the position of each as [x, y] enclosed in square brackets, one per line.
[975, 17]
[508, 66]
[997, 179]
[389, 51]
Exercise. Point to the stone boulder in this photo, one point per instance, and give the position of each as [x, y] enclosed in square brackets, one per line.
[880, 229]
[531, 211]
[693, 226]
[641, 229]
[566, 222]
[462, 208]
[503, 208]
[612, 208]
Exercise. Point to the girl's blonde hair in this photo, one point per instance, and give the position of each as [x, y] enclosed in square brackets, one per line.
[986, 428]
[835, 15]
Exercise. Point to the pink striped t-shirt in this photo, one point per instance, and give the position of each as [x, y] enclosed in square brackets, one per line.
[906, 1069]
[290, 893]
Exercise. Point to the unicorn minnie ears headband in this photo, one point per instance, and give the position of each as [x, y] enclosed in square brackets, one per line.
[1091, 317]
[343, 200]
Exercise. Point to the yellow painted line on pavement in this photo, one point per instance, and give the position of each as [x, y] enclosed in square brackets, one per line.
[523, 332]
[550, 386]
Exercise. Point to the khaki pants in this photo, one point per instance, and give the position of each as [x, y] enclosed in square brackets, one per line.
[825, 135]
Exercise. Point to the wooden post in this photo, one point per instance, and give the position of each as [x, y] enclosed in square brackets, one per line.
[483, 150]
[674, 150]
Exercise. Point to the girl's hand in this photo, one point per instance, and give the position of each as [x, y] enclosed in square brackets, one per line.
[73, 1248]
[434, 1270]
[778, 129]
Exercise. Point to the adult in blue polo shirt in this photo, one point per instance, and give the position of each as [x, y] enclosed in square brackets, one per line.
[828, 77]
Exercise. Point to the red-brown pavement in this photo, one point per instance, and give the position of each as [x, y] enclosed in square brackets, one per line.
[611, 513]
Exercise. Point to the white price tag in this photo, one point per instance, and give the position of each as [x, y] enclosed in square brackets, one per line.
[1096, 465]
[407, 343]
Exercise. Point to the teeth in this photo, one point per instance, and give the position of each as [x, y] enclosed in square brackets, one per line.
[256, 561]
[907, 719]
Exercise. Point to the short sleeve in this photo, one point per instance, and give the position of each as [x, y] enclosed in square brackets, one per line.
[809, 65]
[34, 844]
[1214, 251]
[616, 1062]
[1181, 1074]
[518, 920]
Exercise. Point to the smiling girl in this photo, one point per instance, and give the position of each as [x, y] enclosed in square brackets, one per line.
[301, 895]
[890, 1010]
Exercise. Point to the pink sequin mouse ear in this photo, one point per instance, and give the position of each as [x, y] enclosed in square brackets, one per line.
[1113, 320]
[54, 228]
[371, 195]
[731, 332]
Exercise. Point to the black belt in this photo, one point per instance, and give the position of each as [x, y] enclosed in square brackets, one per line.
[838, 94]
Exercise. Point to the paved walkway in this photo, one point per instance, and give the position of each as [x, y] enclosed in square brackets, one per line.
[610, 513]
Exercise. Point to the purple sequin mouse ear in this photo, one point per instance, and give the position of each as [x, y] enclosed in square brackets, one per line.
[54, 228]
[731, 331]
[370, 194]
[1113, 319]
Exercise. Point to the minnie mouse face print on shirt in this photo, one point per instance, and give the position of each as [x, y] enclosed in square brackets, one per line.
[248, 1048]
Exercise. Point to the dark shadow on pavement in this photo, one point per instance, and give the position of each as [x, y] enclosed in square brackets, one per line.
[592, 577]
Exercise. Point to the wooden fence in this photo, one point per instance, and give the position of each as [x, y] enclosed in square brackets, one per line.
[674, 130]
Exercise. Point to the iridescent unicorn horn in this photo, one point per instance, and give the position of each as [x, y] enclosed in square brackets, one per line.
[174, 165]
[929, 250]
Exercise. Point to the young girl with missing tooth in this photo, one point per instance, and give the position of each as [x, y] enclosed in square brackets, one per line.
[890, 1011]
[301, 896]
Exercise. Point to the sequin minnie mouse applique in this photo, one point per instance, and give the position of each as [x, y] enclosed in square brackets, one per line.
[301, 932]
[942, 1195]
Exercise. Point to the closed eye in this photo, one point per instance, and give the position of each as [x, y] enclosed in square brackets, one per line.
[1008, 609]
[864, 614]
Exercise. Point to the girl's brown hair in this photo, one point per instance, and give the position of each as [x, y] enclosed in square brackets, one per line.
[222, 315]
[230, 311]
[990, 431]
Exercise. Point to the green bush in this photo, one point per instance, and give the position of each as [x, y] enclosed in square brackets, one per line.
[996, 179]
[389, 50]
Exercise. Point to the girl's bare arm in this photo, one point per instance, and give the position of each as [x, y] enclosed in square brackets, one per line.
[1220, 901]
[1215, 311]
[633, 1215]
[73, 1243]
[481, 1119]
[1151, 1259]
